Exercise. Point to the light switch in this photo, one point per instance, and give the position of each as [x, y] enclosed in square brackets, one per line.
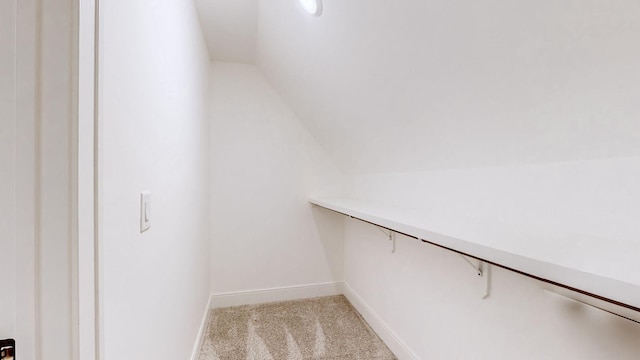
[145, 211]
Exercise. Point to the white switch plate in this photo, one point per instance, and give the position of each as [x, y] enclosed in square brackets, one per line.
[145, 211]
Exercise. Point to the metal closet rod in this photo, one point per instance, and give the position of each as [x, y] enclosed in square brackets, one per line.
[580, 291]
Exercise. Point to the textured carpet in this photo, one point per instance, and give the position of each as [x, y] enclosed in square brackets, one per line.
[319, 328]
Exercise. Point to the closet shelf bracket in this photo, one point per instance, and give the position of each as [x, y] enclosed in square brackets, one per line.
[477, 268]
[392, 238]
[483, 270]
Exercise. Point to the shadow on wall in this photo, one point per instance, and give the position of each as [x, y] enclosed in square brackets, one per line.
[616, 327]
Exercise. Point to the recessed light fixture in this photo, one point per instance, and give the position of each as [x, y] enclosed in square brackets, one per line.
[313, 7]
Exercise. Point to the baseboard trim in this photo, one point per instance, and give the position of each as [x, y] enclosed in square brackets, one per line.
[378, 325]
[275, 294]
[203, 325]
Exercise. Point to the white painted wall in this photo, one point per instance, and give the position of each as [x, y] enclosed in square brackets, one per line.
[264, 166]
[154, 73]
[596, 199]
[7, 169]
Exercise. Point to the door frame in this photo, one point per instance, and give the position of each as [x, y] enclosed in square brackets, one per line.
[80, 208]
[88, 275]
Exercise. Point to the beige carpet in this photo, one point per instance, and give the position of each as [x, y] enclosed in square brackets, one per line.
[319, 328]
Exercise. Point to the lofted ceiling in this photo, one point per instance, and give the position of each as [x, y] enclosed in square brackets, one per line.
[411, 85]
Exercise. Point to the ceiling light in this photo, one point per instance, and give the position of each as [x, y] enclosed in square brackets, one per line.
[313, 7]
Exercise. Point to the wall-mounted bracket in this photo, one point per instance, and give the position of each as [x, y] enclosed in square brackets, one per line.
[487, 279]
[477, 268]
[392, 238]
[391, 234]
[483, 270]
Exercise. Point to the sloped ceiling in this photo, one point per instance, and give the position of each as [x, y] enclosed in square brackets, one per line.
[409, 85]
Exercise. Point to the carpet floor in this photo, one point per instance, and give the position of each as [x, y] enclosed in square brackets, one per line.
[319, 328]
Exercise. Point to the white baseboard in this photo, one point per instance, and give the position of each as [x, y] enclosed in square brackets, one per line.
[203, 326]
[385, 333]
[276, 294]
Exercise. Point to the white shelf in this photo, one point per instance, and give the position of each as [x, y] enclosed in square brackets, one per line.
[609, 272]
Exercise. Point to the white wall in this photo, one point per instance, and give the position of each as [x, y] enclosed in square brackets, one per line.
[264, 166]
[7, 168]
[593, 203]
[154, 73]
